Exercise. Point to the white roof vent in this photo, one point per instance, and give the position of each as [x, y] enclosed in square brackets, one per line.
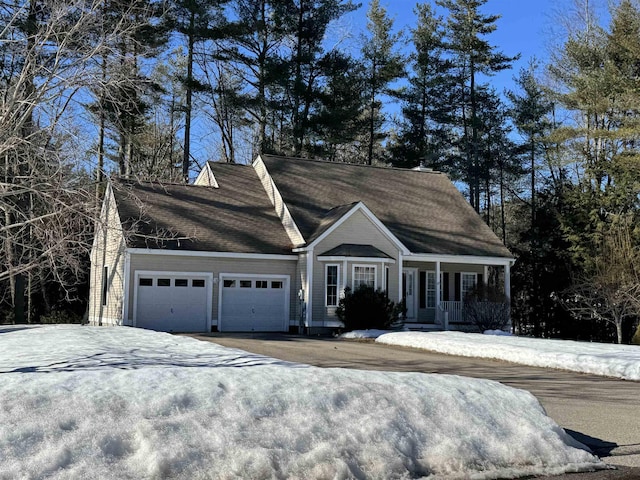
[422, 168]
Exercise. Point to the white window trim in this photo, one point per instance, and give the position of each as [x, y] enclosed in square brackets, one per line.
[364, 265]
[326, 284]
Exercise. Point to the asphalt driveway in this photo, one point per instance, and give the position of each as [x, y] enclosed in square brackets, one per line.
[603, 413]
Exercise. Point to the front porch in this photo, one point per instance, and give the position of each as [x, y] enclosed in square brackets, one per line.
[434, 288]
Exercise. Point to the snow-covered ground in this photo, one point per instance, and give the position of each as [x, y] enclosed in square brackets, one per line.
[119, 403]
[621, 361]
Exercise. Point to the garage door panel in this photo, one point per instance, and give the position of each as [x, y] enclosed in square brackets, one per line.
[173, 303]
[250, 304]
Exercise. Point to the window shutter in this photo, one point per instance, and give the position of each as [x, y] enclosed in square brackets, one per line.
[457, 287]
[445, 286]
[479, 279]
[423, 289]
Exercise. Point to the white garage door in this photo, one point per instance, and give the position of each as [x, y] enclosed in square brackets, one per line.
[253, 304]
[171, 303]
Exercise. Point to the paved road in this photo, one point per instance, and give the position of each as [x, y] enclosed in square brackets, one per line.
[603, 413]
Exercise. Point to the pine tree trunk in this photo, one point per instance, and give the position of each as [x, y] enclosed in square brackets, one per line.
[474, 141]
[189, 93]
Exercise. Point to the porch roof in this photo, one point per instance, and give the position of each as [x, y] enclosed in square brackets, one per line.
[355, 250]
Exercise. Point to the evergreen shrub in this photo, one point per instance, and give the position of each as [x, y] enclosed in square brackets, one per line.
[366, 308]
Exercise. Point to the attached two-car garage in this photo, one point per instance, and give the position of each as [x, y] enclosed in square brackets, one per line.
[183, 302]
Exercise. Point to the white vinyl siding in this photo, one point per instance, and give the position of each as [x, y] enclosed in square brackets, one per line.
[106, 287]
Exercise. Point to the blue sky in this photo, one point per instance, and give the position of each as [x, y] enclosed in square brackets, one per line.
[524, 28]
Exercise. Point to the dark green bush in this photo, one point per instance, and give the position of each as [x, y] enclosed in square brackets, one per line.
[366, 308]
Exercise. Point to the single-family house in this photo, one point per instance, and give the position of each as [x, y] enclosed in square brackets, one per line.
[272, 246]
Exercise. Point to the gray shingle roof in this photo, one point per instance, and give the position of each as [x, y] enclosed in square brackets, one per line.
[423, 209]
[237, 217]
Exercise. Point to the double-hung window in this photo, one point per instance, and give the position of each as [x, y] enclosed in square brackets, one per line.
[332, 273]
[468, 281]
[364, 275]
[431, 289]
[428, 289]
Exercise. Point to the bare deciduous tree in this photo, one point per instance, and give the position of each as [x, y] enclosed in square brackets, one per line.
[611, 291]
[50, 63]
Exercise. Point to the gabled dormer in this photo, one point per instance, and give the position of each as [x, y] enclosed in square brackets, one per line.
[206, 178]
[276, 200]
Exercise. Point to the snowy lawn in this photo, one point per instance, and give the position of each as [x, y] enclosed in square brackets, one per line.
[122, 403]
[621, 361]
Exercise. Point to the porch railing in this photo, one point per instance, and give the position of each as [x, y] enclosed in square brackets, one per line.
[450, 311]
[453, 312]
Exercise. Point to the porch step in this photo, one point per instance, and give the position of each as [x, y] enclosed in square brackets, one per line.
[423, 327]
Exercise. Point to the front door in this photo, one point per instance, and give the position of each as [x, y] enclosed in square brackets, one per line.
[409, 277]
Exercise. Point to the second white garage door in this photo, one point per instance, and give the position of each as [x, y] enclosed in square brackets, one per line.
[251, 303]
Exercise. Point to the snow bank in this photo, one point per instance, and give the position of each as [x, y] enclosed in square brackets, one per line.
[120, 403]
[621, 361]
[360, 334]
[497, 332]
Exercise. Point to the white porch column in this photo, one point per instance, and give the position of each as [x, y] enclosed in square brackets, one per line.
[400, 265]
[344, 277]
[507, 280]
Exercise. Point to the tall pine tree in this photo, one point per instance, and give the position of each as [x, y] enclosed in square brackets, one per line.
[382, 65]
[472, 56]
[422, 135]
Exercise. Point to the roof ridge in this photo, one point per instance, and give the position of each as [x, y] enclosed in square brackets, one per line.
[344, 205]
[135, 181]
[215, 162]
[362, 165]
